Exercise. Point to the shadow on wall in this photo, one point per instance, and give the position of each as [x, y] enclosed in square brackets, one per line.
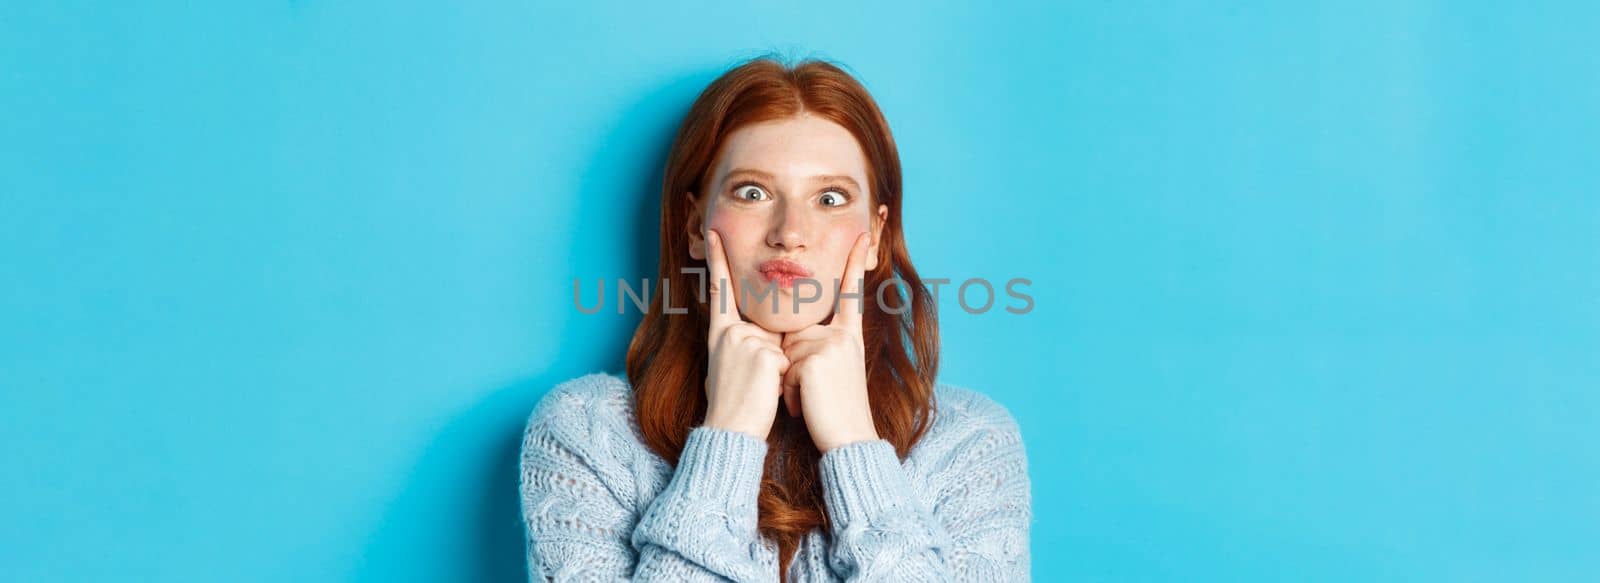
[460, 512]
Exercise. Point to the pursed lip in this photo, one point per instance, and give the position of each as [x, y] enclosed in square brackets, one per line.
[773, 267]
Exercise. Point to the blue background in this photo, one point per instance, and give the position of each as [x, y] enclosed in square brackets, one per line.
[1317, 284]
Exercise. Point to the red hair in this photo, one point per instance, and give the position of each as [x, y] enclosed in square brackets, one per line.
[667, 357]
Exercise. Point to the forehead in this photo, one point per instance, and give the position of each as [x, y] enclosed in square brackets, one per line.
[794, 148]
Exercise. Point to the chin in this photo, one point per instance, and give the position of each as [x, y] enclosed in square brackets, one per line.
[784, 321]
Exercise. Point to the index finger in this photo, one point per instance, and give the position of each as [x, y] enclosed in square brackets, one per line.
[849, 314]
[724, 310]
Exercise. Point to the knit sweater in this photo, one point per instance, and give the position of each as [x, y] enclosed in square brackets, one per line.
[598, 505]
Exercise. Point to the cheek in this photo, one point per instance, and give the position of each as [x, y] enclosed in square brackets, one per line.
[842, 233]
[741, 234]
[838, 239]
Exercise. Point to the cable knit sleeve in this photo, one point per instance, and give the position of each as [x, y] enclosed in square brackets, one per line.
[977, 530]
[704, 522]
[583, 522]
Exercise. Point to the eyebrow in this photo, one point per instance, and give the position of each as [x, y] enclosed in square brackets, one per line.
[768, 176]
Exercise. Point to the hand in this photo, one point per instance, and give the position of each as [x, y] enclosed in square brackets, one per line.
[826, 381]
[746, 362]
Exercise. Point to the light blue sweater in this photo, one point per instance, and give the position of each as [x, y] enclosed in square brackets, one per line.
[598, 505]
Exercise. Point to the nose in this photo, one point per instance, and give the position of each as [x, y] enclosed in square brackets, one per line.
[790, 229]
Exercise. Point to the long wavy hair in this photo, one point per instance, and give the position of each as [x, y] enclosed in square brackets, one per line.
[667, 357]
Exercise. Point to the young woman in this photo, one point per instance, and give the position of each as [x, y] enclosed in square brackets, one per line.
[783, 259]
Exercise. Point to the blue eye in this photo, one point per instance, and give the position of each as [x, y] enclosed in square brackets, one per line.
[746, 190]
[832, 199]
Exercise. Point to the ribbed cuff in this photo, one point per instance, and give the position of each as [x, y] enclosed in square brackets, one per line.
[721, 464]
[861, 480]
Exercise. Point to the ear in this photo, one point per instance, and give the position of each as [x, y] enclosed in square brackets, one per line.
[697, 239]
[877, 236]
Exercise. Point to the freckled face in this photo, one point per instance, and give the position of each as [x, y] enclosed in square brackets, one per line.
[793, 189]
